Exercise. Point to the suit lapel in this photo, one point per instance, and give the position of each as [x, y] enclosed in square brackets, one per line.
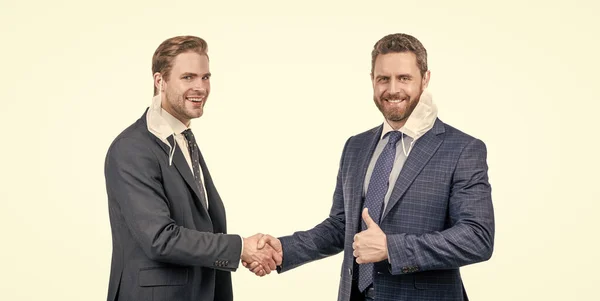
[184, 169]
[363, 159]
[216, 208]
[179, 161]
[423, 149]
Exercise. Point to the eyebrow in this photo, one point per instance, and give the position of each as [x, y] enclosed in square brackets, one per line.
[195, 75]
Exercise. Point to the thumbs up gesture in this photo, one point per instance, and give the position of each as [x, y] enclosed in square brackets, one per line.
[370, 245]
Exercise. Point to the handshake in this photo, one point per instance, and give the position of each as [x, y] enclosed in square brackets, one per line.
[262, 254]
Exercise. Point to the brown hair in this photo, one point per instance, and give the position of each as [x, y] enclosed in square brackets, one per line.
[400, 42]
[162, 60]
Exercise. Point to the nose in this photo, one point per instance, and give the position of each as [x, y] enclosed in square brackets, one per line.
[393, 88]
[199, 85]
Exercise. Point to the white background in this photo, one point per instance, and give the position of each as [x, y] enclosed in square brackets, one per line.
[290, 84]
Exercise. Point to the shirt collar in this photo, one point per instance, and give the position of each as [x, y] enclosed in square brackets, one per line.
[387, 128]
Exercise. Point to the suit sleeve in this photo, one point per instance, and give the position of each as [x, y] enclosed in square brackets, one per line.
[134, 182]
[323, 240]
[470, 238]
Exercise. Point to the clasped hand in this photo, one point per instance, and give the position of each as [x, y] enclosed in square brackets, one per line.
[262, 254]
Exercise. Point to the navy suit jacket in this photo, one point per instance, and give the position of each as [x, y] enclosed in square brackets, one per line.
[166, 244]
[439, 217]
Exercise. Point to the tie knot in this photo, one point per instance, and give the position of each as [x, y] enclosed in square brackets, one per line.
[394, 136]
[189, 136]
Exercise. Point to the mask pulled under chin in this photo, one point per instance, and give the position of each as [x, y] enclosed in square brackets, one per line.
[422, 117]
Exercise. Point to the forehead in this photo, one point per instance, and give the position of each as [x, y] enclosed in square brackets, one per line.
[396, 62]
[190, 62]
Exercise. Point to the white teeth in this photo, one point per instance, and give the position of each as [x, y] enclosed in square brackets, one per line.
[194, 99]
[393, 100]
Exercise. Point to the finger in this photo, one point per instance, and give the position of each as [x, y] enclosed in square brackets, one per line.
[266, 267]
[276, 255]
[273, 257]
[271, 264]
[267, 262]
[272, 241]
[256, 268]
[262, 241]
[244, 264]
[269, 267]
[354, 246]
[367, 218]
[275, 243]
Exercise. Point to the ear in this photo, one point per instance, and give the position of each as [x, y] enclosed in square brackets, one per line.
[158, 81]
[426, 78]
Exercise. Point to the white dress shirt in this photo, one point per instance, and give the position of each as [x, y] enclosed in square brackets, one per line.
[178, 128]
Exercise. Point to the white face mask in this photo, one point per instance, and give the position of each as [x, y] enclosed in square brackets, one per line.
[420, 120]
[422, 117]
[157, 125]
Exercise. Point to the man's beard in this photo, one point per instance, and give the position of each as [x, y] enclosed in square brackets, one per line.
[395, 114]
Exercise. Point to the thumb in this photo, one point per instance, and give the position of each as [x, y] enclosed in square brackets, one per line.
[262, 241]
[367, 218]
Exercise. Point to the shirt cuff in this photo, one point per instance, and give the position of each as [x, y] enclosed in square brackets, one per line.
[387, 250]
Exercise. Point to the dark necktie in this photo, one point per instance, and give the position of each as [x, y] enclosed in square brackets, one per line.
[378, 187]
[195, 156]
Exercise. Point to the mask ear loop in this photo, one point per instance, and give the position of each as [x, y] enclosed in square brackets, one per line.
[409, 147]
[172, 148]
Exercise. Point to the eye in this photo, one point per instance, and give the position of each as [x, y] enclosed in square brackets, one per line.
[383, 79]
[206, 77]
[187, 77]
[404, 78]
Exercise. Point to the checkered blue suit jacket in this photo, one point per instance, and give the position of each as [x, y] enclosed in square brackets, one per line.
[439, 218]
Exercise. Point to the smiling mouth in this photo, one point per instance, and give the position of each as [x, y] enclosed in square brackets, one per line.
[394, 100]
[195, 99]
